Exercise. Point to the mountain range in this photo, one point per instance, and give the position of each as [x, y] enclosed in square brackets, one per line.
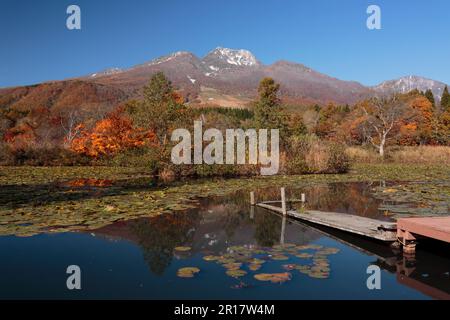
[224, 77]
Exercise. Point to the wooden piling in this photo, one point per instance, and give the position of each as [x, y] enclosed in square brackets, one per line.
[283, 201]
[252, 198]
[283, 229]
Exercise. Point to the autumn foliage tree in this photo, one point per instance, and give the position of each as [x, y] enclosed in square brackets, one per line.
[381, 118]
[417, 128]
[26, 129]
[111, 135]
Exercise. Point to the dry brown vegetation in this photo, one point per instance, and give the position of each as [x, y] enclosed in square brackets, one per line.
[417, 154]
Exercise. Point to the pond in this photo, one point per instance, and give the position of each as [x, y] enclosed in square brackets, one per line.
[223, 249]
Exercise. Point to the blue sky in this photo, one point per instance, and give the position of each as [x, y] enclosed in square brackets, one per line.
[327, 35]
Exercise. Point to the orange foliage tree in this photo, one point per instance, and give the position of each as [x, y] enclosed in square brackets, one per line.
[111, 135]
[421, 129]
[20, 137]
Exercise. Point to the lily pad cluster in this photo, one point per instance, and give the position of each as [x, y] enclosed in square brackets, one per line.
[318, 265]
[415, 198]
[240, 260]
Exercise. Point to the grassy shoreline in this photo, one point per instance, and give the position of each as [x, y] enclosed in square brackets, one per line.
[372, 171]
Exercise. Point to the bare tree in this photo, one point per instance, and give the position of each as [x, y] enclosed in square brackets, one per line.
[70, 123]
[381, 118]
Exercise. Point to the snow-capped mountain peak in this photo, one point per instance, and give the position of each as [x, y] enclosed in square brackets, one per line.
[235, 74]
[231, 57]
[411, 82]
[239, 57]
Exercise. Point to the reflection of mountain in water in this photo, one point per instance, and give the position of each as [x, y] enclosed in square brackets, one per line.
[223, 222]
[213, 228]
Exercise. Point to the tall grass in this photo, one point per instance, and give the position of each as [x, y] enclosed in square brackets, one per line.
[422, 154]
[308, 154]
[412, 155]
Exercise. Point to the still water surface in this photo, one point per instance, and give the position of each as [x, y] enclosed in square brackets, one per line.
[141, 258]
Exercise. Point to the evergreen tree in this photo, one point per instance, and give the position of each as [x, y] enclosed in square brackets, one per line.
[267, 108]
[297, 127]
[445, 100]
[429, 95]
[159, 109]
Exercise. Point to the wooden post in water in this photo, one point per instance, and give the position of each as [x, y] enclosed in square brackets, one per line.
[303, 200]
[283, 229]
[283, 201]
[252, 198]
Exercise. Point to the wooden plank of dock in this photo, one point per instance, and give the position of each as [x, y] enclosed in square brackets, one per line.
[372, 228]
[431, 227]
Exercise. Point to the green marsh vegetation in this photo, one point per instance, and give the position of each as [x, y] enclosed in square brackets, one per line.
[59, 199]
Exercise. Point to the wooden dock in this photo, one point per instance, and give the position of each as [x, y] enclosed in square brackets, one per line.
[375, 229]
[409, 229]
[406, 230]
[431, 227]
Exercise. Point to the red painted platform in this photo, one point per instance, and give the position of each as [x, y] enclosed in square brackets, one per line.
[432, 227]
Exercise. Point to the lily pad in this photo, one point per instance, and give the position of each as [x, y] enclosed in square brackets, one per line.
[279, 257]
[319, 275]
[303, 269]
[327, 251]
[289, 267]
[254, 267]
[232, 266]
[211, 258]
[223, 260]
[273, 277]
[182, 249]
[236, 273]
[256, 261]
[187, 272]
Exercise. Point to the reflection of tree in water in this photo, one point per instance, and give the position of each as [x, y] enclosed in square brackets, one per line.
[234, 211]
[235, 216]
[159, 236]
[267, 229]
[353, 198]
